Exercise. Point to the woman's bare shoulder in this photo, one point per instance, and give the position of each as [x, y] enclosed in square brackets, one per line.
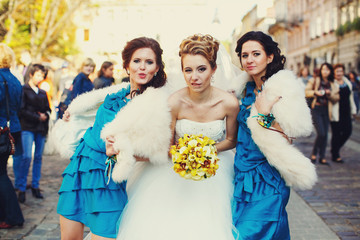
[175, 99]
[229, 99]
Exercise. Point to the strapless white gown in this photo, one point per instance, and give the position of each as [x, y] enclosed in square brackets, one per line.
[164, 206]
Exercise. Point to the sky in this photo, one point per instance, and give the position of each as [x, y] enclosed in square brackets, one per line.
[232, 11]
[168, 21]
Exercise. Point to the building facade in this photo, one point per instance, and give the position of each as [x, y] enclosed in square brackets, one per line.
[317, 31]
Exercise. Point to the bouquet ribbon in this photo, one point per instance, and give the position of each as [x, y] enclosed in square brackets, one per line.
[110, 162]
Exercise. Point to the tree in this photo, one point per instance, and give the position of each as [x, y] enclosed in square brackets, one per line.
[43, 27]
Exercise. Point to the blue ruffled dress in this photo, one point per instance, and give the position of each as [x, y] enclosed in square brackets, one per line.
[260, 194]
[84, 194]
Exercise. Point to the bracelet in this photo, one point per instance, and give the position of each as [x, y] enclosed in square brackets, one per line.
[265, 120]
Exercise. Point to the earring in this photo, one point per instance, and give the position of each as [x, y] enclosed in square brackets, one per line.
[212, 79]
[155, 74]
[127, 71]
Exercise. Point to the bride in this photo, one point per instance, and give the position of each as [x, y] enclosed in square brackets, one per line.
[162, 205]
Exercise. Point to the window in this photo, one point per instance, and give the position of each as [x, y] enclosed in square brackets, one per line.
[86, 35]
[334, 19]
[318, 26]
[351, 13]
[327, 22]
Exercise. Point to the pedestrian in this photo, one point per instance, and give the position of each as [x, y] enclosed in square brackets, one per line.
[352, 76]
[304, 74]
[342, 113]
[10, 212]
[81, 84]
[34, 118]
[85, 196]
[273, 110]
[105, 75]
[48, 86]
[324, 93]
[66, 77]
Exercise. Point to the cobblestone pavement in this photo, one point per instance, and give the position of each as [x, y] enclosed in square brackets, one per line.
[336, 196]
[41, 219]
[331, 210]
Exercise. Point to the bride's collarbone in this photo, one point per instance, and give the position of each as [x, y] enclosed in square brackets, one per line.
[201, 105]
[199, 114]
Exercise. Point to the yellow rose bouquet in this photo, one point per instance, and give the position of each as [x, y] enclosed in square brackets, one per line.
[195, 157]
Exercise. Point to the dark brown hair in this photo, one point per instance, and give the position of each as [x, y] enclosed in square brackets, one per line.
[104, 66]
[270, 47]
[143, 42]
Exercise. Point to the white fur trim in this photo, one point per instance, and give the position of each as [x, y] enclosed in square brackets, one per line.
[66, 136]
[291, 111]
[294, 167]
[141, 128]
[293, 115]
[93, 99]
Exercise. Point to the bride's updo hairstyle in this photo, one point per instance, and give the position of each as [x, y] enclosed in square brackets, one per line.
[143, 42]
[205, 45]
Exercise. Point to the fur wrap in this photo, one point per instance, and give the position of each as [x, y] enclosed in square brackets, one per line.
[294, 117]
[66, 136]
[141, 128]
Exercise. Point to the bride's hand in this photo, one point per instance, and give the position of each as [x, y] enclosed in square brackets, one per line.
[110, 151]
[263, 105]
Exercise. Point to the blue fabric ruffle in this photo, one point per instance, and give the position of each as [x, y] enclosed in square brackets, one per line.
[260, 194]
[85, 195]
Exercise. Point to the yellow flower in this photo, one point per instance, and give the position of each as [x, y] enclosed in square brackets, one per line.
[192, 143]
[195, 157]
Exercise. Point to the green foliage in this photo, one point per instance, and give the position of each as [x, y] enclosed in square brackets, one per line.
[347, 27]
[42, 27]
[356, 24]
[340, 31]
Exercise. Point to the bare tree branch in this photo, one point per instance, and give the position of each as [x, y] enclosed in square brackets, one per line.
[60, 24]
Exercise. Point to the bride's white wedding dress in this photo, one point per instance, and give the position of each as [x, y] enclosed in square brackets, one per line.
[164, 206]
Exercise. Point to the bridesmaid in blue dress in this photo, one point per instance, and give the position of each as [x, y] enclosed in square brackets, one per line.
[260, 194]
[85, 196]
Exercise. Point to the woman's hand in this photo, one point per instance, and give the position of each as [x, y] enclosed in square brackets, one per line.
[263, 105]
[110, 151]
[42, 117]
[319, 93]
[66, 116]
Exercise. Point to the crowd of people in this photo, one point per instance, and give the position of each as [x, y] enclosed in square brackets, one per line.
[30, 105]
[334, 100]
[247, 197]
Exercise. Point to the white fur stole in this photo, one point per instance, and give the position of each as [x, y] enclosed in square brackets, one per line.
[66, 136]
[141, 128]
[294, 117]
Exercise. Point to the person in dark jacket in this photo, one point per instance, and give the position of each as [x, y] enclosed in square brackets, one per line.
[105, 75]
[34, 118]
[82, 82]
[10, 212]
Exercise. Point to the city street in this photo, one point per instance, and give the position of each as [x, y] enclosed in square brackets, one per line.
[331, 210]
